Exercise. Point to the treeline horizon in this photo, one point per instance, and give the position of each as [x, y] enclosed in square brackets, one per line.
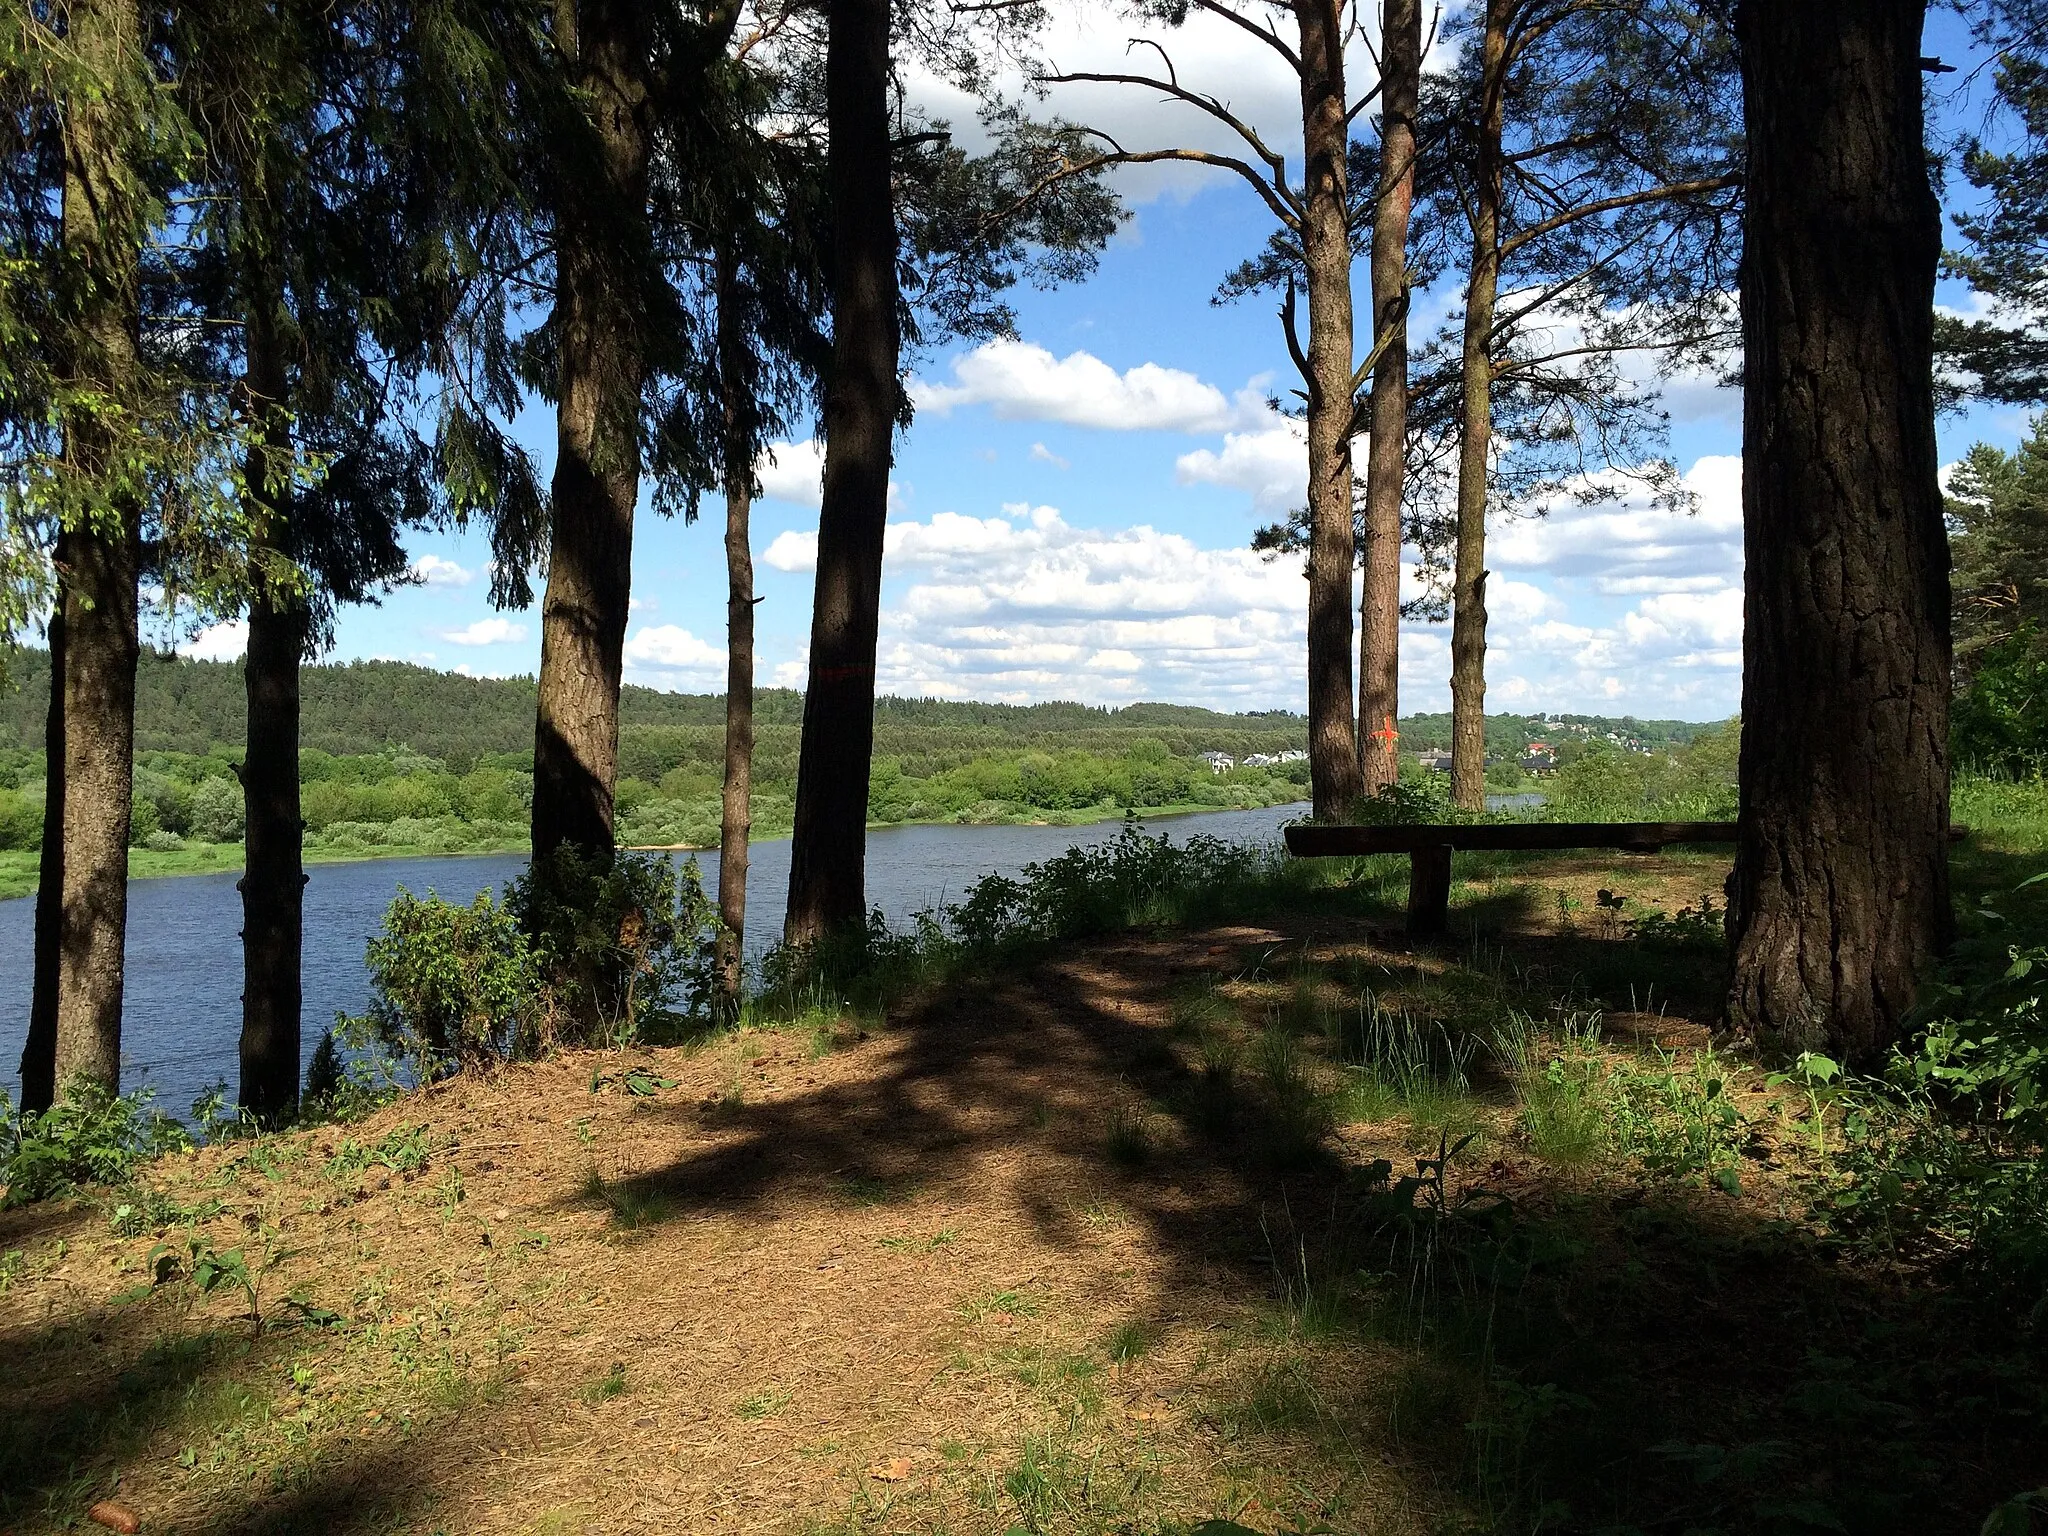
[365, 707]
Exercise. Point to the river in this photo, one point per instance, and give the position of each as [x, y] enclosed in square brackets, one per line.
[183, 1006]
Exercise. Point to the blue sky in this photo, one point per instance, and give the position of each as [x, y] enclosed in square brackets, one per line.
[1072, 509]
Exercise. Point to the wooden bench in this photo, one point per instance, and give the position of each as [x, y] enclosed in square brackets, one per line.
[1429, 849]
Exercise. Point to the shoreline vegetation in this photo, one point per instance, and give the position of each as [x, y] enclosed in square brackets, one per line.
[1119, 1151]
[399, 761]
[18, 868]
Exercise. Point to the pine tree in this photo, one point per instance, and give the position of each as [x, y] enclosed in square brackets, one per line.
[1840, 895]
[1591, 156]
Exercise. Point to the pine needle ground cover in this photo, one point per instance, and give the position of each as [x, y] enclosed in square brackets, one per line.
[1274, 1220]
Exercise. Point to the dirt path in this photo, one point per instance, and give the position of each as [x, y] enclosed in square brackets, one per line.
[1094, 1247]
[955, 1270]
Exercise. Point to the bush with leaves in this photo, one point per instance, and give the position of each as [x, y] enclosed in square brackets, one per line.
[451, 987]
[88, 1137]
[1945, 1160]
[1999, 723]
[625, 946]
[1131, 878]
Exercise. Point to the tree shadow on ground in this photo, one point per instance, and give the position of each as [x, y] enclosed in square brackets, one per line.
[1600, 1353]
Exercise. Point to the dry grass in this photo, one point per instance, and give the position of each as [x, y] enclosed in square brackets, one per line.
[923, 1283]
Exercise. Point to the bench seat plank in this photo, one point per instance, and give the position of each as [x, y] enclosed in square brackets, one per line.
[1325, 840]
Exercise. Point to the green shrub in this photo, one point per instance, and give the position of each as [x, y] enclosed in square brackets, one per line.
[2000, 721]
[1129, 879]
[90, 1137]
[21, 822]
[452, 987]
[217, 811]
[625, 946]
[580, 952]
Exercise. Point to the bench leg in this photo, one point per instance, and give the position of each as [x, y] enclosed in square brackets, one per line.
[1429, 891]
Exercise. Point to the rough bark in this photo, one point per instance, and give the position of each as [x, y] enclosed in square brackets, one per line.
[736, 817]
[1379, 636]
[600, 222]
[39, 1051]
[1334, 782]
[1468, 590]
[273, 877]
[101, 644]
[1840, 893]
[829, 850]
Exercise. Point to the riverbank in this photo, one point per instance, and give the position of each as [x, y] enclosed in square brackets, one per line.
[1111, 1238]
[18, 869]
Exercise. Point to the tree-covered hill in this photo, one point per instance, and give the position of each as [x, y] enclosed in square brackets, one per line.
[371, 706]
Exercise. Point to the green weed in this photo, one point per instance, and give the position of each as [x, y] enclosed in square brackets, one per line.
[1128, 1138]
[765, 1404]
[632, 1204]
[608, 1386]
[1300, 1112]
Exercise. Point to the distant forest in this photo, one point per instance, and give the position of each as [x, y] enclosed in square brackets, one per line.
[359, 707]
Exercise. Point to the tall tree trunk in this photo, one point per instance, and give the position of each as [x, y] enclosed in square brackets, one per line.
[1468, 591]
[1840, 893]
[101, 643]
[600, 261]
[273, 878]
[39, 1052]
[736, 816]
[1334, 779]
[1379, 630]
[828, 854]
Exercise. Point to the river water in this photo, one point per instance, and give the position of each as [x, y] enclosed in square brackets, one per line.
[183, 1008]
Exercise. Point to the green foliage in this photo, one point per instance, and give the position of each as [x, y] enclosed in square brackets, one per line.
[1999, 722]
[580, 952]
[1598, 781]
[1678, 1120]
[452, 987]
[1998, 541]
[88, 1137]
[625, 946]
[1984, 1050]
[21, 822]
[1128, 879]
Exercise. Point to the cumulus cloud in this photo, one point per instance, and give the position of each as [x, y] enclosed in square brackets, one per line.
[1268, 463]
[491, 631]
[793, 472]
[1025, 606]
[435, 571]
[225, 641]
[670, 654]
[1021, 381]
[1628, 546]
[1045, 455]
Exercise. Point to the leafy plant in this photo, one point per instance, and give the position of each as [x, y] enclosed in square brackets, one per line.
[1701, 925]
[625, 946]
[88, 1137]
[1679, 1122]
[452, 987]
[1820, 1079]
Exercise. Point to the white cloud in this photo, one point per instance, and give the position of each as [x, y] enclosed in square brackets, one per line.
[793, 472]
[1025, 606]
[1021, 381]
[1629, 546]
[225, 641]
[1045, 455]
[435, 571]
[670, 647]
[1269, 463]
[492, 631]
[794, 549]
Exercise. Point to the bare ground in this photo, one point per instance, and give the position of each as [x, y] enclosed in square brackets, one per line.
[989, 1264]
